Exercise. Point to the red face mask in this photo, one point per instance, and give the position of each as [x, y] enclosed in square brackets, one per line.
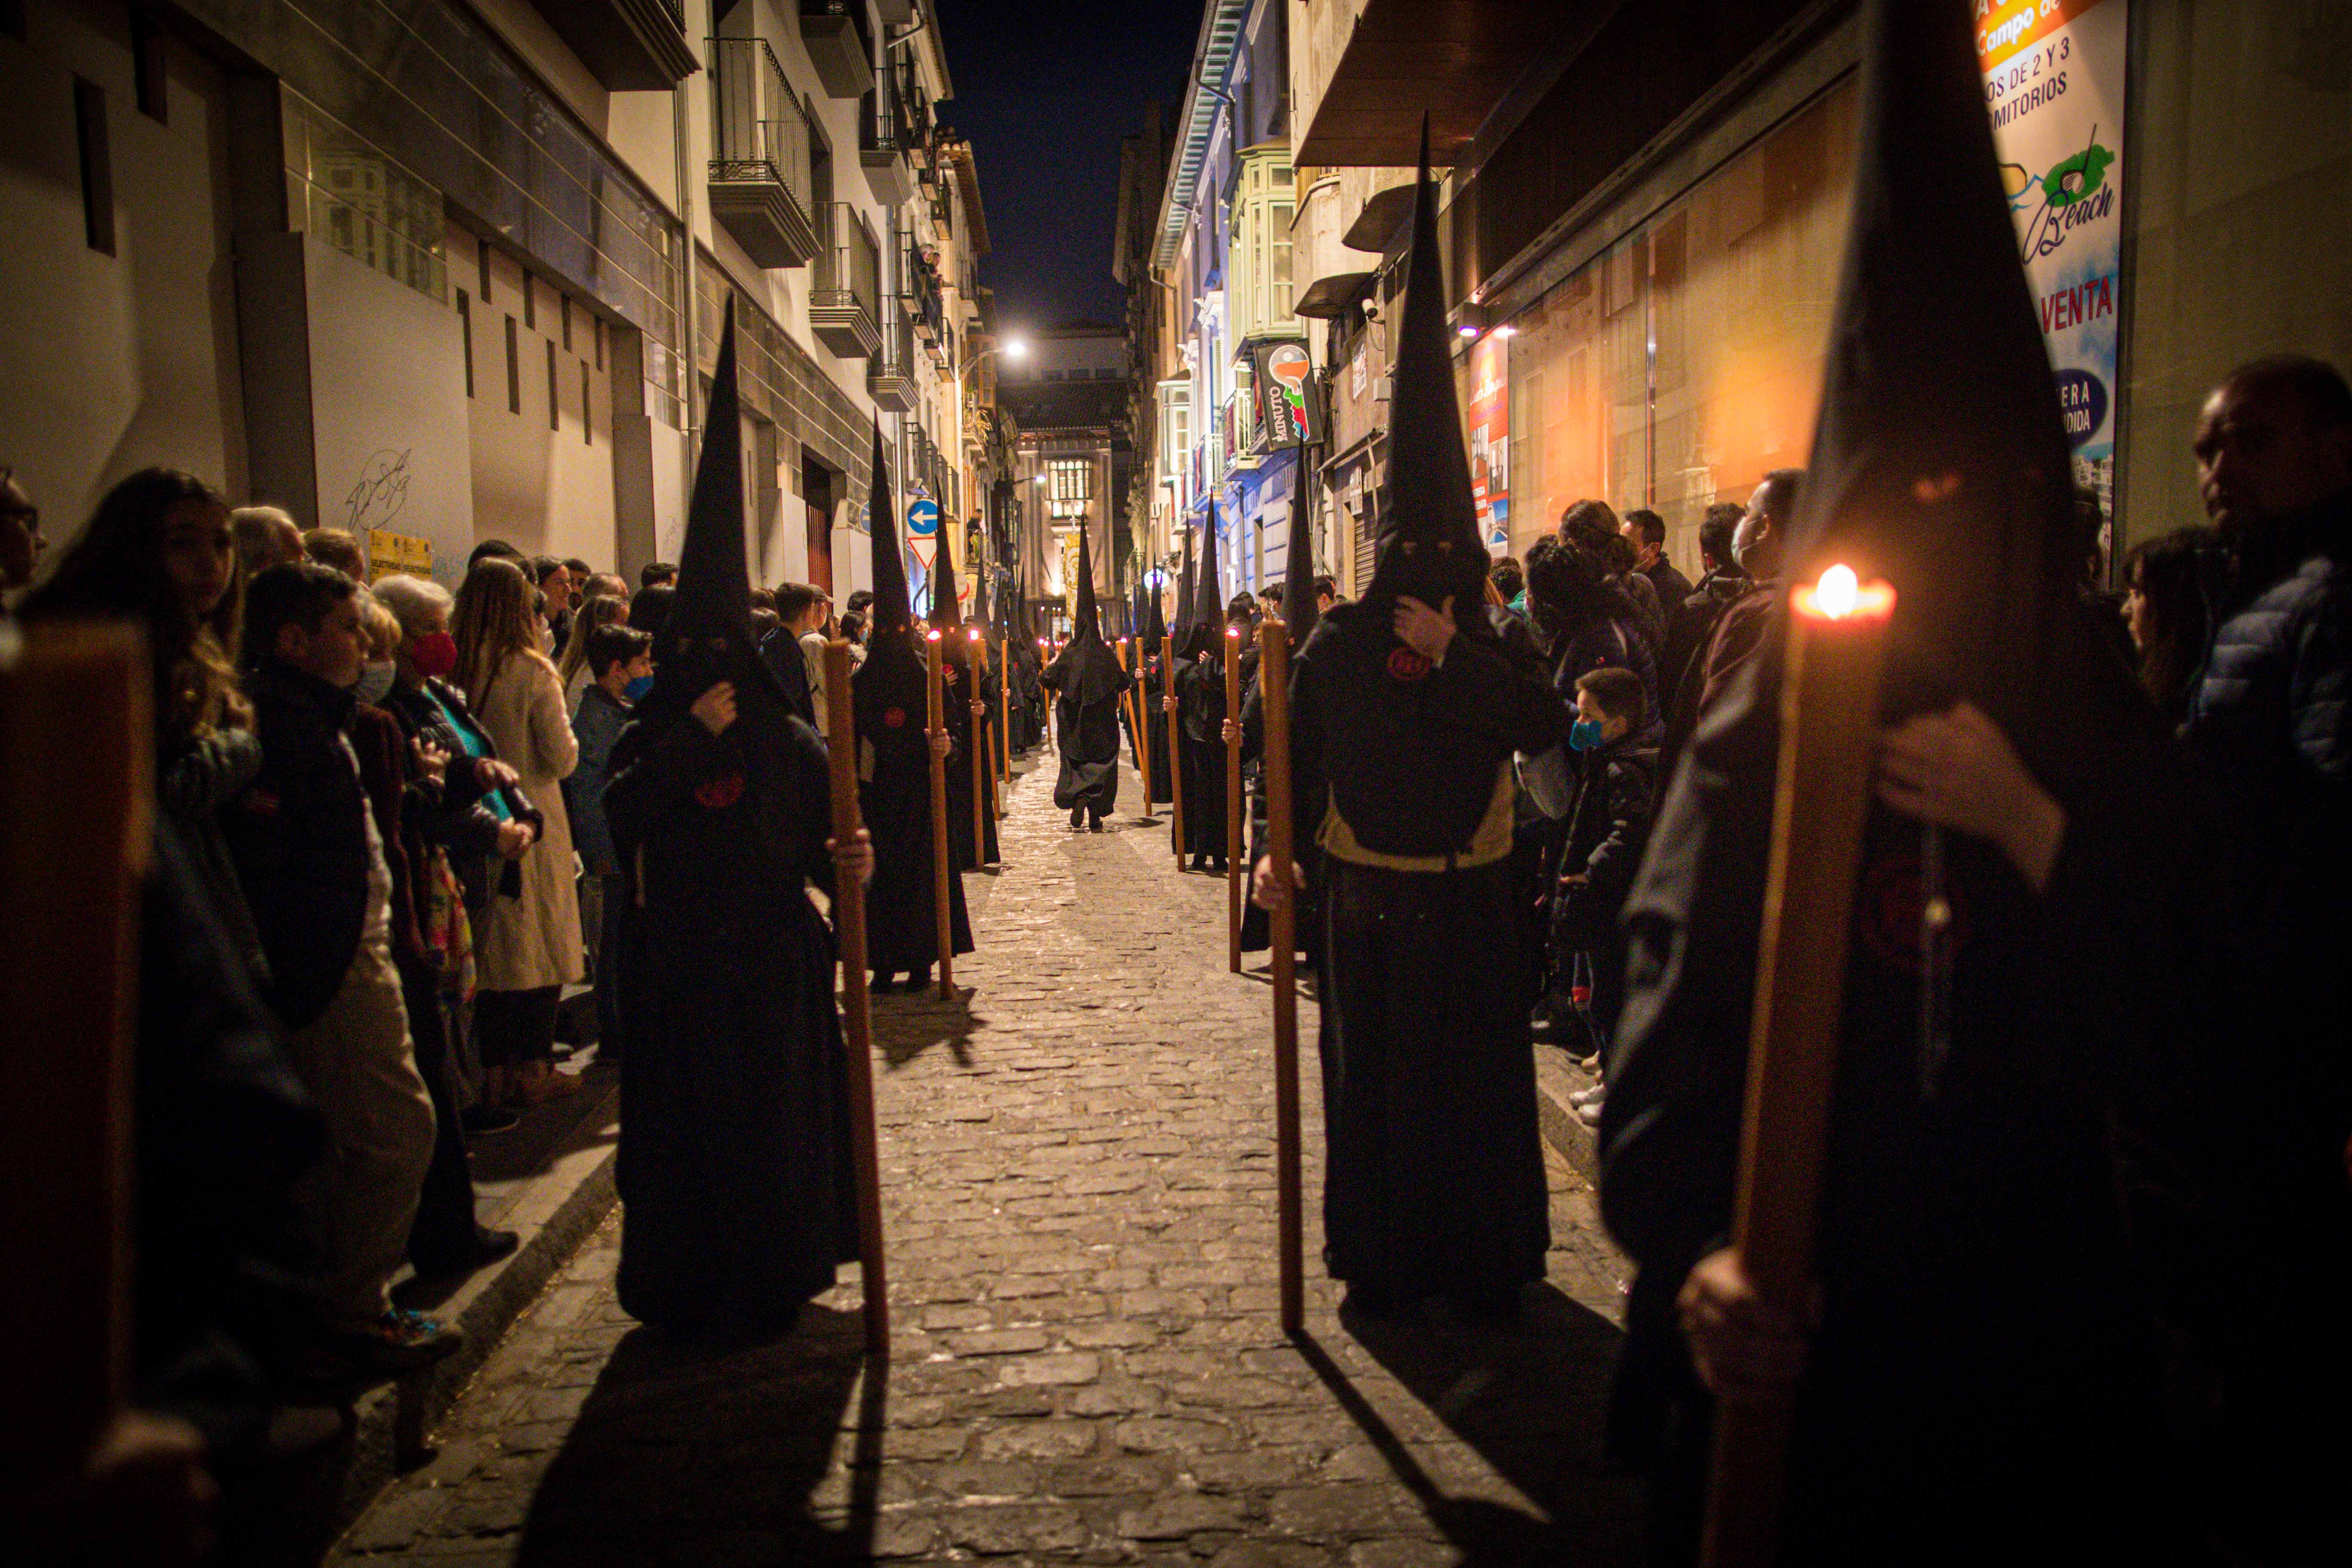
[434, 656]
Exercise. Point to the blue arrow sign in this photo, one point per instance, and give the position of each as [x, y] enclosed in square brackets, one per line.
[923, 517]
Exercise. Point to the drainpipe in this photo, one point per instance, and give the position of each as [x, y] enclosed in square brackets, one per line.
[679, 137]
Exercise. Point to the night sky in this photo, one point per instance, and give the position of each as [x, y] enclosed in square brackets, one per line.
[1045, 88]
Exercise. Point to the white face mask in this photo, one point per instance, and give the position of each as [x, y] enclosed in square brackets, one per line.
[374, 682]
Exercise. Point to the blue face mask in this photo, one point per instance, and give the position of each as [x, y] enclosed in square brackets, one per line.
[1584, 735]
[634, 692]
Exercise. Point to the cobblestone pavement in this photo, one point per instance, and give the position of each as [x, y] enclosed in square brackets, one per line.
[1078, 1171]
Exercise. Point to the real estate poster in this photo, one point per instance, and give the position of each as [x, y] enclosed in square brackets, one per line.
[2053, 75]
[1490, 440]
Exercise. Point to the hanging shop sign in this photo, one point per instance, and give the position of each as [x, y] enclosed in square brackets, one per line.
[2053, 75]
[1288, 410]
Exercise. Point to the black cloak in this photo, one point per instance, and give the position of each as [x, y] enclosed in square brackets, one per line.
[1086, 682]
[960, 683]
[1200, 682]
[734, 1169]
[891, 695]
[1977, 1380]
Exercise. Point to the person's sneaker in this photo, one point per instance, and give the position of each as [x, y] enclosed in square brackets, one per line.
[1584, 1096]
[1590, 1113]
[481, 1121]
[402, 1341]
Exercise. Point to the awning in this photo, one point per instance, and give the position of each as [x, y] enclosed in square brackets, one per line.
[1383, 216]
[1454, 58]
[1328, 297]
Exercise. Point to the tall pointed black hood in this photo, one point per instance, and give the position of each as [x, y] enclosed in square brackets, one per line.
[1940, 464]
[1205, 632]
[1298, 608]
[1428, 540]
[708, 636]
[1155, 619]
[946, 595]
[1184, 598]
[891, 609]
[1085, 620]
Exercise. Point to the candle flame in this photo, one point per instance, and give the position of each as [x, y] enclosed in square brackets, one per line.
[973, 633]
[1233, 631]
[1839, 591]
[934, 636]
[1843, 595]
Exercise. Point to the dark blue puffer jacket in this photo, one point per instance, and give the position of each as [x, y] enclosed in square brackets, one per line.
[2272, 710]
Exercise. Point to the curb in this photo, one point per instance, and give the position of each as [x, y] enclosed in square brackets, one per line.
[555, 1215]
[1574, 1141]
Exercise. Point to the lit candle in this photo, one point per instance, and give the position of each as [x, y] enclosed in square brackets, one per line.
[1829, 725]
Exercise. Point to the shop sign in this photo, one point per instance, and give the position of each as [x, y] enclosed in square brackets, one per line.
[2054, 82]
[1288, 411]
[1490, 440]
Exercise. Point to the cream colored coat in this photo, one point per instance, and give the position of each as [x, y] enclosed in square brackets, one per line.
[522, 944]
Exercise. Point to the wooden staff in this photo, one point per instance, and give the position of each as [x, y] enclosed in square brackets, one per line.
[1175, 745]
[1234, 800]
[1045, 707]
[1142, 728]
[942, 867]
[1828, 721]
[75, 788]
[979, 750]
[849, 928]
[1004, 723]
[1282, 923]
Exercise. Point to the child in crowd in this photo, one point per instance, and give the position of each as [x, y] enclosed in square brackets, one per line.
[1607, 828]
[620, 663]
[312, 863]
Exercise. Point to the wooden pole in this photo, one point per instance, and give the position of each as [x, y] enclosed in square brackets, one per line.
[1829, 723]
[858, 1022]
[76, 812]
[1282, 923]
[1175, 743]
[1142, 728]
[1234, 800]
[979, 749]
[942, 858]
[1004, 723]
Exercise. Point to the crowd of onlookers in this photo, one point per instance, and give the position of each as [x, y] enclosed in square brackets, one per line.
[381, 862]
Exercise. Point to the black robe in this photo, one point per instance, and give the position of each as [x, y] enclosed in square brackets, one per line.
[1155, 724]
[956, 693]
[894, 795]
[1434, 1180]
[1086, 683]
[736, 1185]
[1200, 753]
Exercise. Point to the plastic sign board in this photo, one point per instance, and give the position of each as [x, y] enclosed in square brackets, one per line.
[922, 517]
[1288, 410]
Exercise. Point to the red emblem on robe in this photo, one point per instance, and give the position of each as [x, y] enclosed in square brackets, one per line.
[1406, 665]
[720, 793]
[894, 718]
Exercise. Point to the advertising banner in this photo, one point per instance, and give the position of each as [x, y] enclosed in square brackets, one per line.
[2053, 75]
[1287, 411]
[1490, 440]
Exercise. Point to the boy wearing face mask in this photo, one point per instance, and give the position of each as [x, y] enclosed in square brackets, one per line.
[621, 670]
[1615, 738]
[314, 867]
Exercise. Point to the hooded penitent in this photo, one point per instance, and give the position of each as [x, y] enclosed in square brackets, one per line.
[891, 696]
[1428, 543]
[1205, 617]
[1086, 680]
[734, 1160]
[961, 680]
[1970, 1062]
[1087, 668]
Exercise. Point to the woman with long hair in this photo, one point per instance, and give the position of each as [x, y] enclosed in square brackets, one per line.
[2164, 609]
[159, 551]
[528, 945]
[591, 615]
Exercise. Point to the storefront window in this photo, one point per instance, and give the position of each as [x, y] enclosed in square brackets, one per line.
[1684, 363]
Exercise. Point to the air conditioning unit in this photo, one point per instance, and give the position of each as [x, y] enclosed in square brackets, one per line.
[1384, 388]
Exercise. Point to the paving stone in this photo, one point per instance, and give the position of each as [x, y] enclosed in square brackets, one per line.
[1079, 1197]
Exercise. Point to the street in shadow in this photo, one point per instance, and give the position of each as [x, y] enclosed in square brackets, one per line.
[692, 1453]
[1530, 1398]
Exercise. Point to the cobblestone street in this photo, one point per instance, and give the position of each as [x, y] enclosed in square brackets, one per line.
[1079, 1172]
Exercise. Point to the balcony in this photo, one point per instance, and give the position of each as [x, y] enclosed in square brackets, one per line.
[760, 155]
[890, 125]
[630, 45]
[890, 372]
[834, 33]
[845, 303]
